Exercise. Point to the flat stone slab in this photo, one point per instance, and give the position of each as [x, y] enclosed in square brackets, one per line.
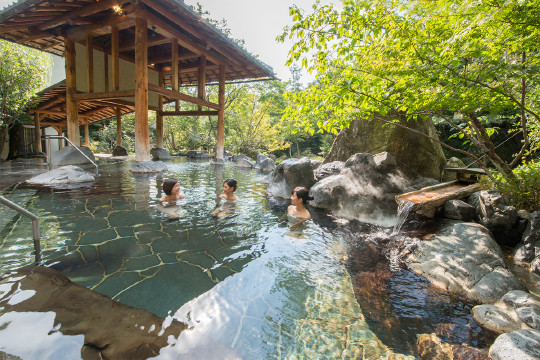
[494, 318]
[40, 308]
[64, 175]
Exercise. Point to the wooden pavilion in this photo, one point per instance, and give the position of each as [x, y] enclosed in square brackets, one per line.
[128, 55]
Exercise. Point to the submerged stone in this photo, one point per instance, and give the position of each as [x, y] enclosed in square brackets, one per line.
[111, 330]
[148, 167]
[64, 175]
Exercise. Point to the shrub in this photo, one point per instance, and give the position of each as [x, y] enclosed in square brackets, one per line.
[524, 191]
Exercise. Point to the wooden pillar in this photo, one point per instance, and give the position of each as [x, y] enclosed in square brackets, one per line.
[220, 141]
[115, 52]
[159, 116]
[37, 119]
[142, 141]
[90, 63]
[60, 141]
[86, 134]
[174, 62]
[118, 127]
[106, 70]
[201, 89]
[72, 117]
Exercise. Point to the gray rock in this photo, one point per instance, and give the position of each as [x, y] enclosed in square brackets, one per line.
[518, 298]
[69, 155]
[289, 174]
[236, 158]
[264, 163]
[360, 191]
[385, 161]
[417, 156]
[459, 210]
[197, 154]
[530, 239]
[453, 162]
[119, 151]
[328, 169]
[517, 345]
[530, 316]
[493, 318]
[272, 156]
[64, 175]
[464, 258]
[494, 212]
[421, 183]
[245, 163]
[148, 167]
[160, 154]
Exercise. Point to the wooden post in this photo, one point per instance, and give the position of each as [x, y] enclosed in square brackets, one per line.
[60, 133]
[201, 89]
[37, 125]
[90, 63]
[220, 141]
[174, 62]
[142, 141]
[118, 127]
[72, 118]
[115, 52]
[86, 134]
[106, 70]
[159, 116]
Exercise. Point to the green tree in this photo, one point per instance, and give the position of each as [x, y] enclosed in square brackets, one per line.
[421, 58]
[23, 72]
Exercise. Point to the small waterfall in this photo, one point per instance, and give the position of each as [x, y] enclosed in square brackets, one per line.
[404, 209]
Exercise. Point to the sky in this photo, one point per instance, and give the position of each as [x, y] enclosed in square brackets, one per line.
[258, 22]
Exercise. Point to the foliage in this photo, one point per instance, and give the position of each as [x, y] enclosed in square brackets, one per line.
[523, 191]
[106, 134]
[384, 57]
[23, 72]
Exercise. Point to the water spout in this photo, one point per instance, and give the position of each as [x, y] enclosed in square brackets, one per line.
[404, 209]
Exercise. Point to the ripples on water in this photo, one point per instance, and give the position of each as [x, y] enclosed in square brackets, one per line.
[247, 286]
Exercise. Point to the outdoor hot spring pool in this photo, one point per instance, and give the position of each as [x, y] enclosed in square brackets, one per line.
[247, 286]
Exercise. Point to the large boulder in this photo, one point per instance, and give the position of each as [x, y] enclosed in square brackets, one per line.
[119, 151]
[494, 212]
[148, 167]
[463, 258]
[529, 248]
[361, 190]
[459, 210]
[69, 155]
[61, 176]
[288, 175]
[517, 345]
[416, 156]
[244, 163]
[197, 154]
[264, 163]
[160, 154]
[328, 169]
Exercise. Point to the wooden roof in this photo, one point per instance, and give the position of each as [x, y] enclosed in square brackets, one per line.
[42, 24]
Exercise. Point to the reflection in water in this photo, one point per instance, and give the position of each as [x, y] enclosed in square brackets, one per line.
[247, 286]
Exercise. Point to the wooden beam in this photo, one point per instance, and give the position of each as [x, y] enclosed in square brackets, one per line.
[101, 27]
[115, 34]
[51, 112]
[90, 63]
[81, 12]
[174, 63]
[181, 56]
[190, 113]
[142, 140]
[51, 102]
[177, 95]
[86, 134]
[72, 119]
[103, 95]
[220, 141]
[154, 42]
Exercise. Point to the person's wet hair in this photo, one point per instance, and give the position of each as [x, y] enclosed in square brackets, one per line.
[168, 186]
[232, 183]
[302, 193]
